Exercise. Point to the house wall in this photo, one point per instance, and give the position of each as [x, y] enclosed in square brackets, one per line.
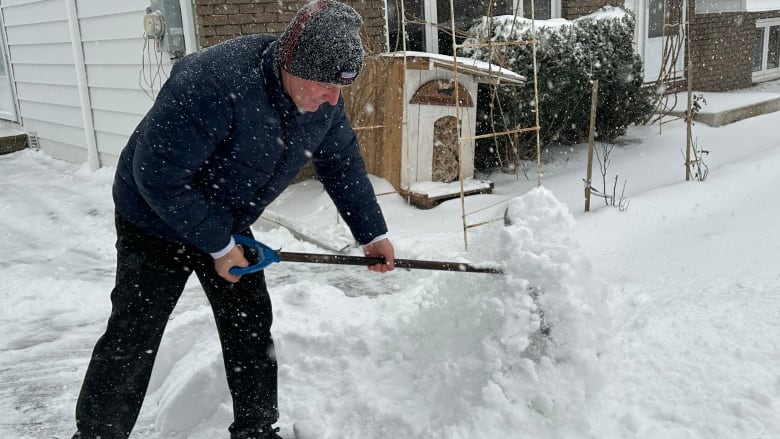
[76, 68]
[722, 42]
[722, 49]
[571, 9]
[85, 75]
[220, 20]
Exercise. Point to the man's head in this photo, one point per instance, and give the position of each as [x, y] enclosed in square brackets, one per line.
[322, 43]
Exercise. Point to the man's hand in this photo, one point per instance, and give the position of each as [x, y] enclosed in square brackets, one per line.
[384, 249]
[234, 258]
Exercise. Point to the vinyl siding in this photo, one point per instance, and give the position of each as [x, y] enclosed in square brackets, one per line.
[46, 77]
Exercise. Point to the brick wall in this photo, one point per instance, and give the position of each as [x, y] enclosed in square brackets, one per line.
[571, 9]
[220, 20]
[722, 54]
[722, 48]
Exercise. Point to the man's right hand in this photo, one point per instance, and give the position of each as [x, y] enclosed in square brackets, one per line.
[233, 258]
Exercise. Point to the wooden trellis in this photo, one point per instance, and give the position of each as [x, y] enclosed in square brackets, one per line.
[455, 46]
[383, 124]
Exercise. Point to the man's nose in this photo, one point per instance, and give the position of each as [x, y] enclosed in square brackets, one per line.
[332, 95]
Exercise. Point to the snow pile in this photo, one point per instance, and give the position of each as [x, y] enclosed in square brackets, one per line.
[509, 353]
[448, 355]
[189, 377]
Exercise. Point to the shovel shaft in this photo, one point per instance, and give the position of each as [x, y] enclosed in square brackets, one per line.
[369, 260]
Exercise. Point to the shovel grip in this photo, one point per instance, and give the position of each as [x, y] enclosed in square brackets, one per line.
[265, 255]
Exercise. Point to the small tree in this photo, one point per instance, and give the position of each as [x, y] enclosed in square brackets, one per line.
[611, 198]
[696, 166]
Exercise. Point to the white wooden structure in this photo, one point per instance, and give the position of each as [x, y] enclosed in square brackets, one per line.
[417, 130]
[427, 118]
[77, 69]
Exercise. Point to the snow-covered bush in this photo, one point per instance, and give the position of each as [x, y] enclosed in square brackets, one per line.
[569, 55]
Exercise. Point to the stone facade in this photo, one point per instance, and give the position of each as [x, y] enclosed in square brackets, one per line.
[220, 20]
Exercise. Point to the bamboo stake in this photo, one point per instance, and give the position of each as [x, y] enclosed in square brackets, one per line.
[591, 136]
[458, 125]
[536, 97]
[689, 117]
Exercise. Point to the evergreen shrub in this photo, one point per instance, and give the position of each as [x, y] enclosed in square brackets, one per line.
[569, 55]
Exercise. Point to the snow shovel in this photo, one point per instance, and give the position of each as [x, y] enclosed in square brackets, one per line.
[268, 256]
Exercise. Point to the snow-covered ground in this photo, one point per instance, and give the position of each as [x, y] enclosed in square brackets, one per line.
[660, 321]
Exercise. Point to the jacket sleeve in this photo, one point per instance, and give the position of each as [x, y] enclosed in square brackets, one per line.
[342, 171]
[188, 121]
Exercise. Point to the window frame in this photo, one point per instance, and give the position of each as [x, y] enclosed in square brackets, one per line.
[428, 33]
[765, 74]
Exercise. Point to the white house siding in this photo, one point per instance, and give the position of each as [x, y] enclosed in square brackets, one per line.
[45, 62]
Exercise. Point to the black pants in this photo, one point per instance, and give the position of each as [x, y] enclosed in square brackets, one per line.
[151, 275]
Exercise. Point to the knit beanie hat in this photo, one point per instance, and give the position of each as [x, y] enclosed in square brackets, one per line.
[322, 43]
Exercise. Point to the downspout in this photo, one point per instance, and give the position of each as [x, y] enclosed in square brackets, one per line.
[188, 23]
[10, 70]
[83, 88]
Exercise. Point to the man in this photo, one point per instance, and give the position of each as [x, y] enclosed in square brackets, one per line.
[228, 132]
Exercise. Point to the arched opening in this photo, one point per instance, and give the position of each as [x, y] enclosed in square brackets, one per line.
[446, 166]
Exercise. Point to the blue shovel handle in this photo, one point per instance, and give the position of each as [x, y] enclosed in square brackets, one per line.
[266, 255]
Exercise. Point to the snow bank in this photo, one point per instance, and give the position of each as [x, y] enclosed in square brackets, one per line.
[450, 355]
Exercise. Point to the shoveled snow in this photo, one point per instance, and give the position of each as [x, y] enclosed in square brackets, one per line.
[663, 318]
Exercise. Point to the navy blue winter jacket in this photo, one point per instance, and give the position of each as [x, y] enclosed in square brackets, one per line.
[223, 140]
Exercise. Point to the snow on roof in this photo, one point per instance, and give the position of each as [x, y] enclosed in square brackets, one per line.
[521, 24]
[467, 65]
[761, 5]
[605, 13]
[477, 67]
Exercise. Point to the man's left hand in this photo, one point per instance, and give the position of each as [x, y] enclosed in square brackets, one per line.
[383, 249]
[234, 258]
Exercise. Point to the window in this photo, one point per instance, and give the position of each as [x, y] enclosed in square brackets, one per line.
[428, 22]
[758, 50]
[664, 17]
[467, 12]
[543, 9]
[766, 50]
[716, 6]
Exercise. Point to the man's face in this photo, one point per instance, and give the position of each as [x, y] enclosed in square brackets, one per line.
[309, 95]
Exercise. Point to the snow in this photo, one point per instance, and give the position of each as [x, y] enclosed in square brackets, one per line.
[717, 102]
[761, 5]
[507, 27]
[663, 318]
[9, 129]
[463, 62]
[435, 189]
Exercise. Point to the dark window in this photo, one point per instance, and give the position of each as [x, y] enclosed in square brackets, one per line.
[415, 30]
[758, 50]
[773, 53]
[542, 9]
[663, 18]
[466, 13]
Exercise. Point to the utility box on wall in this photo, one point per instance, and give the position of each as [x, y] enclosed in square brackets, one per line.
[163, 23]
[408, 128]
